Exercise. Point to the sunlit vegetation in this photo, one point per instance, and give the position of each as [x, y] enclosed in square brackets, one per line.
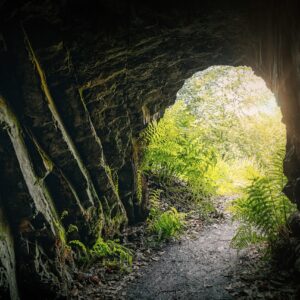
[176, 148]
[263, 209]
[224, 136]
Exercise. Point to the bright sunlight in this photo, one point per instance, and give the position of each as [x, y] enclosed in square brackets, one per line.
[224, 137]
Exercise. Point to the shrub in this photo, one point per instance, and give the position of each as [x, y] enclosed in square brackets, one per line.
[165, 224]
[263, 210]
[111, 253]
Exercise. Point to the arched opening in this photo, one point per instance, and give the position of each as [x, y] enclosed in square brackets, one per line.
[223, 134]
[217, 154]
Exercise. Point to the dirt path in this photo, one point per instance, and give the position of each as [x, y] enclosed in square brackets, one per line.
[194, 269]
[201, 265]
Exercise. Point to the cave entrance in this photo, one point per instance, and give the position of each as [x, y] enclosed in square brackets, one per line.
[222, 139]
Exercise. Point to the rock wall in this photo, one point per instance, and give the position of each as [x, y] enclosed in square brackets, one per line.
[78, 82]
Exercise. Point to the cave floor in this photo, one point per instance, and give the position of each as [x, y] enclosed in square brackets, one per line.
[199, 268]
[201, 265]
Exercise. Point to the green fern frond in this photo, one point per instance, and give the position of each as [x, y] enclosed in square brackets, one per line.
[246, 236]
[264, 209]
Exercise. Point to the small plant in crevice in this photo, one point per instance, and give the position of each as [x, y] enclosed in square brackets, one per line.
[164, 224]
[264, 209]
[72, 228]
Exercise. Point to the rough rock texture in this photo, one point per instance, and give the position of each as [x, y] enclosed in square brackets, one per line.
[79, 81]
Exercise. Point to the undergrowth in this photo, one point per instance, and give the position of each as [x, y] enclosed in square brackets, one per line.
[218, 139]
[113, 253]
[110, 253]
[263, 209]
[164, 224]
[173, 148]
[177, 157]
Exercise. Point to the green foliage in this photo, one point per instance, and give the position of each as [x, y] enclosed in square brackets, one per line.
[175, 148]
[64, 214]
[139, 187]
[246, 235]
[79, 245]
[204, 207]
[263, 210]
[164, 224]
[234, 108]
[80, 251]
[154, 199]
[111, 253]
[167, 224]
[220, 136]
[232, 175]
[72, 228]
[224, 99]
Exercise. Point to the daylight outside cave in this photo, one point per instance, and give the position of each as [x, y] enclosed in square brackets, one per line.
[214, 165]
[223, 139]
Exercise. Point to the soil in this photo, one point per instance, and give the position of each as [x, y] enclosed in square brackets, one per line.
[201, 265]
[198, 268]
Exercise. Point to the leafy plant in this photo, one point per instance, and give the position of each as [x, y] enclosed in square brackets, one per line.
[174, 148]
[216, 139]
[111, 253]
[72, 228]
[167, 224]
[80, 251]
[245, 236]
[264, 209]
[164, 224]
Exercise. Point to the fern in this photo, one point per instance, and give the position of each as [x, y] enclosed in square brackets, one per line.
[80, 251]
[264, 209]
[164, 224]
[246, 236]
[72, 228]
[111, 253]
[79, 245]
[167, 224]
[139, 185]
[174, 148]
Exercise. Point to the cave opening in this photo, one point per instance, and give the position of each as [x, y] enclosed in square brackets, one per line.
[214, 166]
[219, 147]
[79, 84]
